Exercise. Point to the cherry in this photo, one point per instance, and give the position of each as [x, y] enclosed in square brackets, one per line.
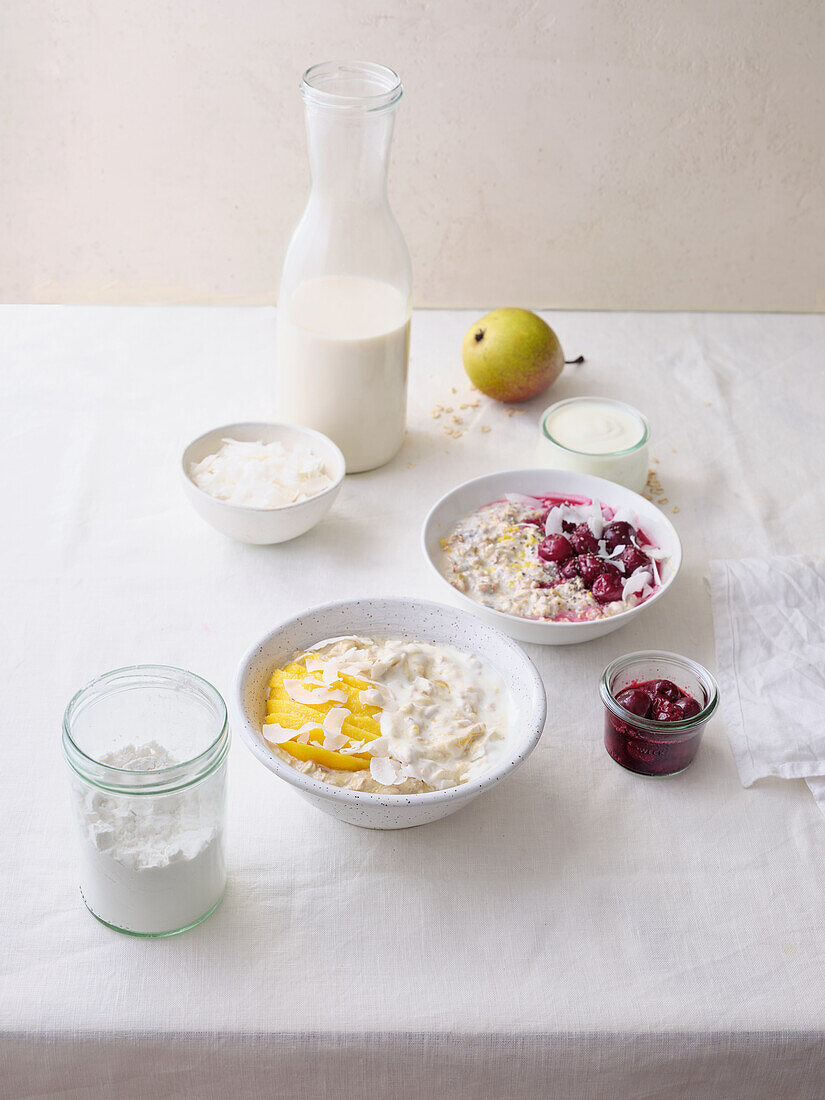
[555, 548]
[688, 706]
[567, 526]
[634, 700]
[667, 689]
[582, 540]
[607, 588]
[633, 559]
[666, 711]
[618, 534]
[590, 567]
[570, 569]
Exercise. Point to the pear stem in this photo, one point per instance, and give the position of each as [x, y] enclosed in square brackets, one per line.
[573, 362]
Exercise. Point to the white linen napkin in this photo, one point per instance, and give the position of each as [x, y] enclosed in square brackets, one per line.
[769, 621]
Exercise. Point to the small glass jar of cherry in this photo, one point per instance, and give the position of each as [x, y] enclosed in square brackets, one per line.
[656, 707]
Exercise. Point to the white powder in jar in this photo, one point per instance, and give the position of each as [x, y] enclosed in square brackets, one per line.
[151, 863]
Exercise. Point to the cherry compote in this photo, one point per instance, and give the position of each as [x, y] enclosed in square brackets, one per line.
[644, 750]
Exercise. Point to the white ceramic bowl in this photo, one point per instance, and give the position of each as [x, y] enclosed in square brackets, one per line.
[263, 526]
[414, 619]
[460, 502]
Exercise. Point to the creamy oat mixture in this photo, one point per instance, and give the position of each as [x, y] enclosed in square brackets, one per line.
[387, 715]
[552, 559]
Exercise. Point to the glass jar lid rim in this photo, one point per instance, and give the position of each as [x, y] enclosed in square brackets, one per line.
[663, 729]
[589, 400]
[155, 779]
[381, 86]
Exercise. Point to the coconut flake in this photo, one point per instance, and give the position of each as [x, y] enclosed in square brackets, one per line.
[334, 720]
[335, 741]
[656, 574]
[352, 747]
[286, 734]
[592, 514]
[555, 518]
[261, 475]
[372, 697]
[299, 693]
[379, 747]
[636, 583]
[330, 670]
[387, 772]
[595, 520]
[624, 515]
[654, 552]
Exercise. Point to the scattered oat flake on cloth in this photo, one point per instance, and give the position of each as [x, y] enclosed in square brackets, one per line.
[653, 488]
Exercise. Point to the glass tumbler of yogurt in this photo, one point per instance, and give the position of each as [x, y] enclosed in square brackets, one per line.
[346, 288]
[599, 436]
[147, 752]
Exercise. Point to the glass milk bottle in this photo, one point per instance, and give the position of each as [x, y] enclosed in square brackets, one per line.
[346, 287]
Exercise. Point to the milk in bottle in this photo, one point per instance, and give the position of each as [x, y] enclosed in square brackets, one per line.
[346, 289]
[349, 340]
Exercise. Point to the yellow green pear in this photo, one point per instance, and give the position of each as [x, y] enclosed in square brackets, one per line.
[512, 355]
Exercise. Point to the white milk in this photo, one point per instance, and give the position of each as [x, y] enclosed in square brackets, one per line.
[343, 346]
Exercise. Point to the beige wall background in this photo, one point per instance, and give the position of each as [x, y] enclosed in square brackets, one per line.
[611, 154]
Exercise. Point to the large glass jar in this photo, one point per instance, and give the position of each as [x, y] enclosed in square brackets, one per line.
[147, 748]
[346, 288]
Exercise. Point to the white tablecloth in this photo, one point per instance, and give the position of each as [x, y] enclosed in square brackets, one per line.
[576, 932]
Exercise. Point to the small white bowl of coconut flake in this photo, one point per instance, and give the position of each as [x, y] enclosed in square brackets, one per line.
[262, 483]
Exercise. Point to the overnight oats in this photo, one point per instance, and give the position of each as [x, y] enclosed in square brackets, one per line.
[387, 715]
[556, 559]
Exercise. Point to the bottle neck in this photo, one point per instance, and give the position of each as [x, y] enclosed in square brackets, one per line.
[349, 155]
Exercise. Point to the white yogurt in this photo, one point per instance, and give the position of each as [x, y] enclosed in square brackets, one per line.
[343, 346]
[594, 435]
[595, 427]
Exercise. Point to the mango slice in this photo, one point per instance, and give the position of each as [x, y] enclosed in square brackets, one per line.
[359, 725]
[326, 757]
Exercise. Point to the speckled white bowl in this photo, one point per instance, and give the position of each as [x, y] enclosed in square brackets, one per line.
[263, 526]
[417, 620]
[466, 498]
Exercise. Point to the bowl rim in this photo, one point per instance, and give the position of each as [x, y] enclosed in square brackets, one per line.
[283, 508]
[504, 616]
[531, 731]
